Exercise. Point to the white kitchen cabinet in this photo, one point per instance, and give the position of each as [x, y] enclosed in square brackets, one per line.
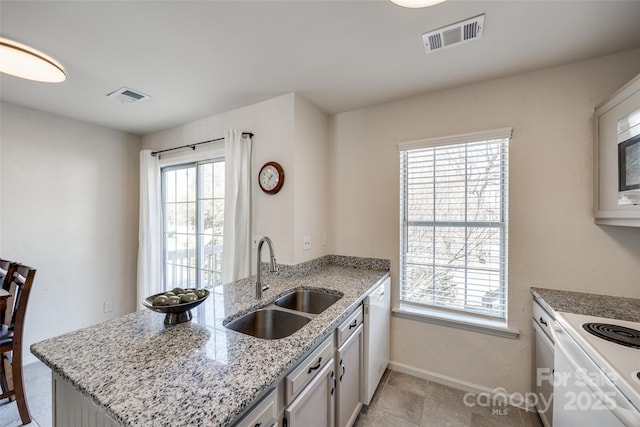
[264, 414]
[72, 409]
[543, 366]
[332, 396]
[314, 406]
[306, 371]
[349, 378]
[607, 211]
[310, 390]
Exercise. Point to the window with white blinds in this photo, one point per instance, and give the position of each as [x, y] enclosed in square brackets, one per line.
[453, 221]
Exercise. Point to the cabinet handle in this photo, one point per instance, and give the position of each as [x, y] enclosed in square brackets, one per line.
[343, 370]
[333, 383]
[544, 322]
[313, 368]
[258, 425]
[354, 324]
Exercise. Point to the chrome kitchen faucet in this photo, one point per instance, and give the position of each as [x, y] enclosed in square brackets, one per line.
[273, 266]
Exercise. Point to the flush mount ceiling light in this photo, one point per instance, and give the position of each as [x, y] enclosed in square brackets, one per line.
[25, 62]
[416, 3]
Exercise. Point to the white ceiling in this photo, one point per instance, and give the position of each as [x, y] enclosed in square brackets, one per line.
[199, 58]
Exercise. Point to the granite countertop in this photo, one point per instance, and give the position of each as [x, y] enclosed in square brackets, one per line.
[619, 308]
[141, 373]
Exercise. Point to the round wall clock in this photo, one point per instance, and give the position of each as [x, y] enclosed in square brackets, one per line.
[271, 177]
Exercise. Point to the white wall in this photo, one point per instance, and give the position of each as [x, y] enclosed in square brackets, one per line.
[553, 241]
[70, 209]
[291, 131]
[312, 195]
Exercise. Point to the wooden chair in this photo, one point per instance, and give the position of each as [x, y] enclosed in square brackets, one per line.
[18, 283]
[6, 271]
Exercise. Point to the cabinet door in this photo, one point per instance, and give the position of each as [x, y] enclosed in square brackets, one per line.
[264, 414]
[543, 374]
[314, 405]
[349, 379]
[607, 209]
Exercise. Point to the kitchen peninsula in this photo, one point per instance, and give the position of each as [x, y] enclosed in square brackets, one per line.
[139, 372]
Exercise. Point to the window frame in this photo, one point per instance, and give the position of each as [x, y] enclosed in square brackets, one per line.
[177, 165]
[449, 316]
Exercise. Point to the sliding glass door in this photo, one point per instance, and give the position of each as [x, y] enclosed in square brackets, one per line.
[193, 212]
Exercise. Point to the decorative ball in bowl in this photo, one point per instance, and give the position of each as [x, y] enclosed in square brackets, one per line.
[176, 304]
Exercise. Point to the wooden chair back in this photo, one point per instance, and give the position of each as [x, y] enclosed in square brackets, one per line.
[5, 265]
[20, 287]
[6, 272]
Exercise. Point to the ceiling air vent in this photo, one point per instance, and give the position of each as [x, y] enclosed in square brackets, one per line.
[454, 34]
[129, 96]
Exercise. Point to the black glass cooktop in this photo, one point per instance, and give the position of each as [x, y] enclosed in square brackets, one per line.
[614, 333]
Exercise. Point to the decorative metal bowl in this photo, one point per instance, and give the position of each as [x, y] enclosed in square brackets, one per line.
[177, 313]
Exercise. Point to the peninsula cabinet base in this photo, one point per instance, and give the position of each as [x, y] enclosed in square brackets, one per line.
[72, 409]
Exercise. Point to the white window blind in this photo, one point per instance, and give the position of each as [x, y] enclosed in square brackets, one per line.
[454, 222]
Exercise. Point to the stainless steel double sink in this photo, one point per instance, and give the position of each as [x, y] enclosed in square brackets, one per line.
[281, 318]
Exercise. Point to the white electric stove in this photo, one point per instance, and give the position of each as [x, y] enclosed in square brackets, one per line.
[600, 361]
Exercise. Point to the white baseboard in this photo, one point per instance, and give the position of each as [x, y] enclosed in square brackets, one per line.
[516, 399]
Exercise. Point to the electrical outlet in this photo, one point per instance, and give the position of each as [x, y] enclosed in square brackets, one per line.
[324, 239]
[306, 243]
[255, 240]
[108, 306]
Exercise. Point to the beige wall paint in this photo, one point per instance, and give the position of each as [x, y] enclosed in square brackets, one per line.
[311, 196]
[272, 124]
[287, 129]
[70, 209]
[553, 241]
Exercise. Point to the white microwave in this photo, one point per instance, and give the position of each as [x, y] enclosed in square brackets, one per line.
[629, 159]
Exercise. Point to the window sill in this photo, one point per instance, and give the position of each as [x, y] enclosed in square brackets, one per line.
[456, 320]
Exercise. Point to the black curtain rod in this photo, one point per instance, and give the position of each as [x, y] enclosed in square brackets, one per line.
[193, 146]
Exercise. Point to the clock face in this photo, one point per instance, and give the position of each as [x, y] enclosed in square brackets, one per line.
[271, 177]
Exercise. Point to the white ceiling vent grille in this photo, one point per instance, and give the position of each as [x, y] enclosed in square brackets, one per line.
[129, 96]
[454, 34]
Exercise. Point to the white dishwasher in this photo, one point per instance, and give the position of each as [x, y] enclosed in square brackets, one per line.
[377, 325]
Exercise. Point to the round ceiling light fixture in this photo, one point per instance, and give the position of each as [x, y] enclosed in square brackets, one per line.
[416, 3]
[25, 62]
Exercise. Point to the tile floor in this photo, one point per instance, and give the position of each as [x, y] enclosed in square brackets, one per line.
[400, 401]
[37, 378]
[405, 401]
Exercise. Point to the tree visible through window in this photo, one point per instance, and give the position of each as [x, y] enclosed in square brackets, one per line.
[454, 226]
[193, 208]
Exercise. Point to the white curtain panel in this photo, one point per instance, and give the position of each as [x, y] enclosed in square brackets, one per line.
[150, 228]
[236, 256]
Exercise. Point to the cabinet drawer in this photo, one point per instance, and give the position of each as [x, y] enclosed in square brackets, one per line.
[265, 413]
[314, 406]
[349, 326]
[542, 318]
[307, 370]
